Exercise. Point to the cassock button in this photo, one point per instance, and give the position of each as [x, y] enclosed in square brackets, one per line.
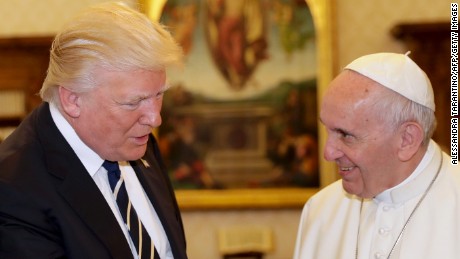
[379, 255]
[386, 208]
[383, 231]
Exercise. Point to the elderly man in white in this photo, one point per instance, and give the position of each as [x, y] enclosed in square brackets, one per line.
[399, 196]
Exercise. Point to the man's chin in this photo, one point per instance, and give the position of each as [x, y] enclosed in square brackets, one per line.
[351, 188]
[136, 154]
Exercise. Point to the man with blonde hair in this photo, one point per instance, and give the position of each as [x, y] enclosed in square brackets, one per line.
[399, 196]
[82, 176]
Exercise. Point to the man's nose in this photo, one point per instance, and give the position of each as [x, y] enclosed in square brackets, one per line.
[332, 150]
[152, 114]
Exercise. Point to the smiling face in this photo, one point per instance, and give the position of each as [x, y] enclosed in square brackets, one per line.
[115, 118]
[363, 146]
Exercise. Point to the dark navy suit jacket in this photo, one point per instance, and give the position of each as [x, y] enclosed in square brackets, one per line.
[50, 206]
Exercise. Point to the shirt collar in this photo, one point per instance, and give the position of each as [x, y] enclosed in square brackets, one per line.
[386, 196]
[90, 159]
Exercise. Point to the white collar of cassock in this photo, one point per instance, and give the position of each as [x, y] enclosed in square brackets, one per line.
[388, 196]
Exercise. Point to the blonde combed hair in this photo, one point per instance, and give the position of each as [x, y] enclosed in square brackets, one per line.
[112, 36]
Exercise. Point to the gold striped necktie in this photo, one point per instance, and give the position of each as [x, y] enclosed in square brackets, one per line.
[141, 239]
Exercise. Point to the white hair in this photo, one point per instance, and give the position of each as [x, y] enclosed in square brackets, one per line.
[396, 109]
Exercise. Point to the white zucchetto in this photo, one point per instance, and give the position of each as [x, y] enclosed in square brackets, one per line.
[399, 73]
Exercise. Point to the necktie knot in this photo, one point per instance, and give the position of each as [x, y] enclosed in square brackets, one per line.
[113, 172]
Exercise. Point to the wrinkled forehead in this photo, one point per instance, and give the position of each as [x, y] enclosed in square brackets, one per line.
[351, 102]
[351, 87]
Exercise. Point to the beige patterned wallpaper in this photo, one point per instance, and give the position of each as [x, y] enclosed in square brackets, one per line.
[362, 27]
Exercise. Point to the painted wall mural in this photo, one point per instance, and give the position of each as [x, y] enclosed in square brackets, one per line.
[242, 113]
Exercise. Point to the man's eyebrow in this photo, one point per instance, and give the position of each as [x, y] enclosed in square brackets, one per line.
[340, 130]
[165, 87]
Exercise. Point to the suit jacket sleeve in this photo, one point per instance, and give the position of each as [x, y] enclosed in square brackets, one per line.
[49, 205]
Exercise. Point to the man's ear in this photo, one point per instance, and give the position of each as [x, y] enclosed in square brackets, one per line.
[70, 102]
[412, 135]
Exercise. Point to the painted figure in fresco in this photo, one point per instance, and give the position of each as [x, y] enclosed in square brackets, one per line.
[181, 17]
[236, 36]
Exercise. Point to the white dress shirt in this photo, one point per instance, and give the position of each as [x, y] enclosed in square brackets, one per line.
[93, 164]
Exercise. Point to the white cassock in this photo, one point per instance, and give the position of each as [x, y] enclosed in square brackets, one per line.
[331, 218]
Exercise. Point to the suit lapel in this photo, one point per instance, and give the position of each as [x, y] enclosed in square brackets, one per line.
[93, 209]
[78, 188]
[157, 187]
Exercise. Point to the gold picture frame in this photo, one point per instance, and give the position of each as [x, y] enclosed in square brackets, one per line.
[322, 12]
